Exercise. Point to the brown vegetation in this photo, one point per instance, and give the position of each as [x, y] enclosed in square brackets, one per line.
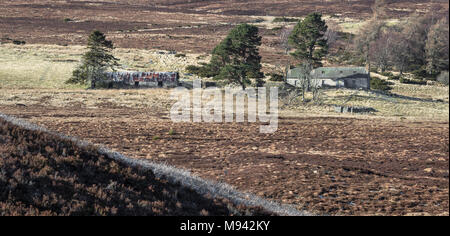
[171, 25]
[387, 164]
[327, 165]
[42, 174]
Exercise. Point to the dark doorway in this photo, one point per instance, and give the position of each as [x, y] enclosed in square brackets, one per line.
[351, 83]
[136, 84]
[160, 84]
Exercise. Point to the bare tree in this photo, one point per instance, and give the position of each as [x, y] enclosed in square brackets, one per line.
[380, 51]
[284, 39]
[316, 90]
[304, 78]
[284, 44]
[368, 34]
[332, 34]
[371, 31]
[400, 51]
[437, 47]
[416, 31]
[443, 78]
[379, 9]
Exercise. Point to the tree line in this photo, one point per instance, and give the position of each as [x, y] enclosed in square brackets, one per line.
[420, 45]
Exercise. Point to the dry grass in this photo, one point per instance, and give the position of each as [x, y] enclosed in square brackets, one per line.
[48, 66]
[389, 106]
[35, 75]
[154, 99]
[36, 66]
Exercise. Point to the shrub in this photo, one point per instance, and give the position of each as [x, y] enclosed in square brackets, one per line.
[104, 84]
[259, 20]
[394, 77]
[379, 84]
[334, 16]
[346, 35]
[387, 73]
[180, 55]
[412, 81]
[276, 77]
[18, 42]
[422, 73]
[172, 132]
[202, 71]
[443, 78]
[193, 69]
[284, 19]
[67, 20]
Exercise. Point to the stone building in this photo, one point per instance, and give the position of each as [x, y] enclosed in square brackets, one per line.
[334, 77]
[146, 79]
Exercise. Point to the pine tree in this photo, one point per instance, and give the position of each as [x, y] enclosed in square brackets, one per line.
[308, 39]
[95, 61]
[236, 59]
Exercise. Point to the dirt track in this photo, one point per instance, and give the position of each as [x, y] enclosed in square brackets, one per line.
[327, 165]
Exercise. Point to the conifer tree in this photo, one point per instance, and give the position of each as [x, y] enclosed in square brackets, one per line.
[308, 39]
[95, 61]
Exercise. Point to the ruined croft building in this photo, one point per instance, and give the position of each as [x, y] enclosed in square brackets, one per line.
[145, 79]
[334, 77]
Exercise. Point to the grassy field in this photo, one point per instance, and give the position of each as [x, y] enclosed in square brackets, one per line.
[36, 66]
[35, 75]
[49, 66]
[405, 106]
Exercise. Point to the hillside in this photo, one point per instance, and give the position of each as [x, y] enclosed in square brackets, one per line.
[173, 25]
[43, 174]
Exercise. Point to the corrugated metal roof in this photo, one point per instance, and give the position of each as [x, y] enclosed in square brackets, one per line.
[331, 72]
